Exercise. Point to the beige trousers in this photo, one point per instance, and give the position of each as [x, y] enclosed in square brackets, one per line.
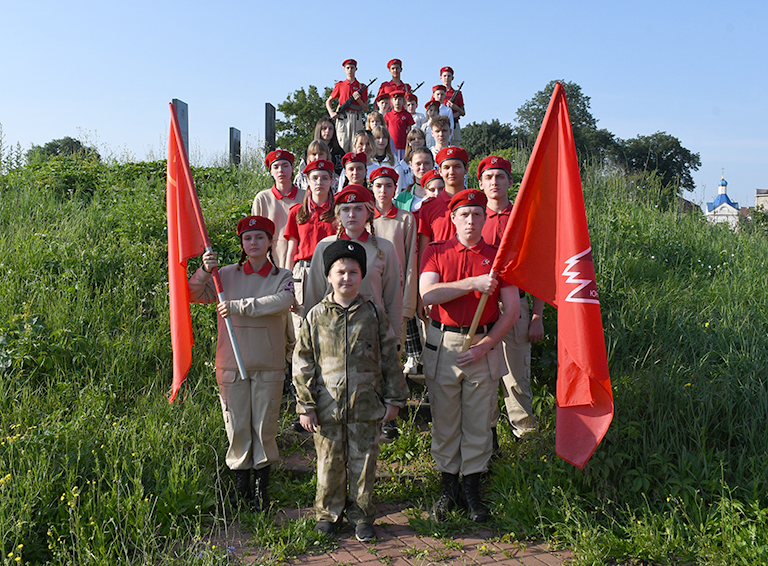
[462, 401]
[251, 409]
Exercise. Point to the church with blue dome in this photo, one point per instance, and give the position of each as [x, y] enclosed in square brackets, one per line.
[722, 209]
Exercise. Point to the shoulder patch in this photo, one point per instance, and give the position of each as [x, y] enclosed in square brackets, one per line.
[289, 286]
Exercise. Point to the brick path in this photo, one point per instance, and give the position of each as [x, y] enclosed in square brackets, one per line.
[399, 545]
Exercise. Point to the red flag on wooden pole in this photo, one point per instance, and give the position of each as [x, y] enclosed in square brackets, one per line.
[185, 240]
[546, 251]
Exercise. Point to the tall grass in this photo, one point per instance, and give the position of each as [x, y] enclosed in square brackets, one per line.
[97, 468]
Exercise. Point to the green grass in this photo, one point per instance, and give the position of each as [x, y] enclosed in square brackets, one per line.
[97, 468]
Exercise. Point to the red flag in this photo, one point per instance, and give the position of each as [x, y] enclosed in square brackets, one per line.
[546, 251]
[186, 239]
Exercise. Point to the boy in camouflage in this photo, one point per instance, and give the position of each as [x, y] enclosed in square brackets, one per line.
[348, 381]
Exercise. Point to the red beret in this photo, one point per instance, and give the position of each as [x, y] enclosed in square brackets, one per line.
[273, 156]
[319, 164]
[382, 96]
[349, 157]
[394, 62]
[494, 162]
[430, 175]
[468, 197]
[397, 92]
[411, 96]
[353, 193]
[444, 69]
[384, 172]
[452, 152]
[256, 223]
[349, 62]
[430, 103]
[438, 87]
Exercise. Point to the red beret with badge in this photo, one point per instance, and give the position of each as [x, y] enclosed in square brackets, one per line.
[430, 103]
[394, 62]
[353, 193]
[319, 165]
[468, 197]
[446, 70]
[430, 175]
[384, 171]
[382, 96]
[438, 87]
[410, 96]
[452, 152]
[256, 223]
[398, 92]
[349, 62]
[276, 155]
[494, 162]
[350, 157]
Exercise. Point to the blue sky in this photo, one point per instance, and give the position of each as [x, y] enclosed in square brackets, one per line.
[104, 70]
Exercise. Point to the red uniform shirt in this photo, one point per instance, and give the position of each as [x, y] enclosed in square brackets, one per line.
[342, 90]
[452, 261]
[435, 218]
[458, 102]
[397, 124]
[495, 224]
[309, 233]
[388, 87]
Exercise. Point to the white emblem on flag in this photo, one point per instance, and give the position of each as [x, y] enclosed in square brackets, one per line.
[586, 289]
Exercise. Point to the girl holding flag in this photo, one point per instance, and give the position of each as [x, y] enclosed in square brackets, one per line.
[259, 295]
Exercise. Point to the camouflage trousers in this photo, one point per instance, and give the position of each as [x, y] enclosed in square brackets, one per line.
[346, 454]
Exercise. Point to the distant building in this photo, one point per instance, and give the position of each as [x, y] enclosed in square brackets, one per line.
[761, 199]
[723, 209]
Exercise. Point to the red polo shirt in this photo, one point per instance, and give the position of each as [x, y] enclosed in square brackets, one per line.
[495, 224]
[388, 87]
[309, 233]
[342, 90]
[435, 218]
[458, 102]
[397, 125]
[452, 261]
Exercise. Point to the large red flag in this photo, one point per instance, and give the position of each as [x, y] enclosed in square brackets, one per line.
[185, 240]
[546, 251]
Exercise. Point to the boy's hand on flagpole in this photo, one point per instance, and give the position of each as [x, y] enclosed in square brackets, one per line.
[485, 284]
[474, 354]
[210, 261]
[223, 308]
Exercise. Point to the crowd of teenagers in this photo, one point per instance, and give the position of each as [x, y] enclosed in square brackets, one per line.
[361, 265]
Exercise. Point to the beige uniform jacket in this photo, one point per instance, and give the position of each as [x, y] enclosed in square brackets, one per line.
[401, 230]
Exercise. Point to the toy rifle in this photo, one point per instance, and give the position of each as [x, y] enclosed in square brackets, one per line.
[456, 91]
[342, 110]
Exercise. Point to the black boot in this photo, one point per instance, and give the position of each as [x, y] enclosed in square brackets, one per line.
[478, 512]
[260, 484]
[450, 495]
[242, 491]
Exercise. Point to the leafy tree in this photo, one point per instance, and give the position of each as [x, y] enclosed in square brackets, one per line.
[61, 147]
[486, 138]
[590, 141]
[662, 153]
[301, 110]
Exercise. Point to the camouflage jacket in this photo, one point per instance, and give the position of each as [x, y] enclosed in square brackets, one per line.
[344, 366]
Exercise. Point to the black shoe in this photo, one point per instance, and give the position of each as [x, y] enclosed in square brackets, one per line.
[242, 492]
[449, 499]
[365, 532]
[260, 494]
[325, 527]
[477, 510]
[389, 430]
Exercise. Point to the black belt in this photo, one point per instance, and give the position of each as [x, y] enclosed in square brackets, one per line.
[462, 329]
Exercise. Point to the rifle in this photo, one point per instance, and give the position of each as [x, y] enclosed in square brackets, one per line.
[417, 86]
[456, 91]
[342, 109]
